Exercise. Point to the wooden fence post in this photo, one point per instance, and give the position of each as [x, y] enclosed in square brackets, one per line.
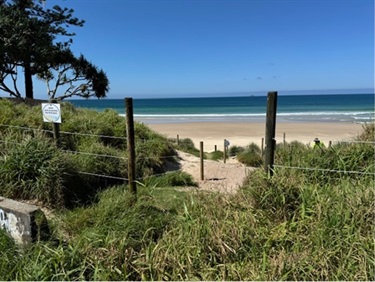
[262, 146]
[270, 133]
[201, 160]
[131, 145]
[178, 139]
[56, 129]
[225, 151]
[56, 133]
[284, 141]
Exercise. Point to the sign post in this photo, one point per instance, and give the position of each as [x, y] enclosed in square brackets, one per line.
[226, 144]
[52, 113]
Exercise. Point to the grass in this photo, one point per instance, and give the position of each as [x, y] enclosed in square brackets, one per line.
[171, 179]
[36, 169]
[250, 155]
[297, 225]
[186, 145]
[31, 167]
[215, 156]
[274, 229]
[235, 150]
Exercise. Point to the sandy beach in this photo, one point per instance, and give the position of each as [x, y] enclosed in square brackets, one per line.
[242, 134]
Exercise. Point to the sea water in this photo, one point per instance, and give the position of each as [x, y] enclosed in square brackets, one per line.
[353, 108]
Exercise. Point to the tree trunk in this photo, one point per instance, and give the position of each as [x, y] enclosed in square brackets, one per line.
[28, 81]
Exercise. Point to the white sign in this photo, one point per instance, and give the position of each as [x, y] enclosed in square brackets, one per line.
[51, 112]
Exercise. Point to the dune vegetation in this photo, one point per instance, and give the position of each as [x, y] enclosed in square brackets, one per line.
[313, 220]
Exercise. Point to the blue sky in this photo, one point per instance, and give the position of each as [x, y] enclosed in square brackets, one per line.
[171, 48]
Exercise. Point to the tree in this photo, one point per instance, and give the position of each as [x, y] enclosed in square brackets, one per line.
[28, 35]
[23, 43]
[77, 76]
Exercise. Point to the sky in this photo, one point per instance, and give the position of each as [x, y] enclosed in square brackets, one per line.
[173, 48]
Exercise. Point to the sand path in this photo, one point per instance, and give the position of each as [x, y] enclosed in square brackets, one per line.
[218, 176]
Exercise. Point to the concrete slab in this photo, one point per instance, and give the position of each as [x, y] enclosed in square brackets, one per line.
[23, 222]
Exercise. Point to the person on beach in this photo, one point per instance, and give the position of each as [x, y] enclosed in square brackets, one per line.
[318, 144]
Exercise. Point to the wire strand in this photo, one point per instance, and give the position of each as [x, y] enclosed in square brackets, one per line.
[93, 154]
[63, 132]
[155, 175]
[325, 170]
[102, 175]
[156, 157]
[356, 142]
[96, 135]
[26, 128]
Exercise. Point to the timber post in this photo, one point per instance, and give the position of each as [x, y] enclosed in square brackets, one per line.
[201, 154]
[56, 134]
[270, 133]
[56, 129]
[130, 145]
[225, 151]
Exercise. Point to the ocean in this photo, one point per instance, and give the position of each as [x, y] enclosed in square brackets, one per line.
[352, 108]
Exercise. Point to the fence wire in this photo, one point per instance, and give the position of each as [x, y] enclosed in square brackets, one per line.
[324, 170]
[125, 179]
[103, 175]
[355, 142]
[167, 157]
[26, 128]
[63, 132]
[93, 154]
[94, 135]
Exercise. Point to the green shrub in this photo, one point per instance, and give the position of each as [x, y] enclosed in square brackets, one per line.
[297, 225]
[339, 157]
[251, 156]
[35, 169]
[187, 145]
[88, 132]
[171, 179]
[235, 150]
[94, 126]
[96, 158]
[216, 155]
[152, 154]
[368, 132]
[9, 256]
[290, 152]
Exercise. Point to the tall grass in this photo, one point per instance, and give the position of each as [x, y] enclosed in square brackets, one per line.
[368, 132]
[250, 155]
[187, 145]
[271, 230]
[35, 169]
[297, 225]
[31, 167]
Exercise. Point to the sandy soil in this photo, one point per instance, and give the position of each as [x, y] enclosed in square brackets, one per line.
[218, 176]
[242, 134]
[229, 176]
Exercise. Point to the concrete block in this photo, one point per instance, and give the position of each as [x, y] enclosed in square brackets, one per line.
[23, 222]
